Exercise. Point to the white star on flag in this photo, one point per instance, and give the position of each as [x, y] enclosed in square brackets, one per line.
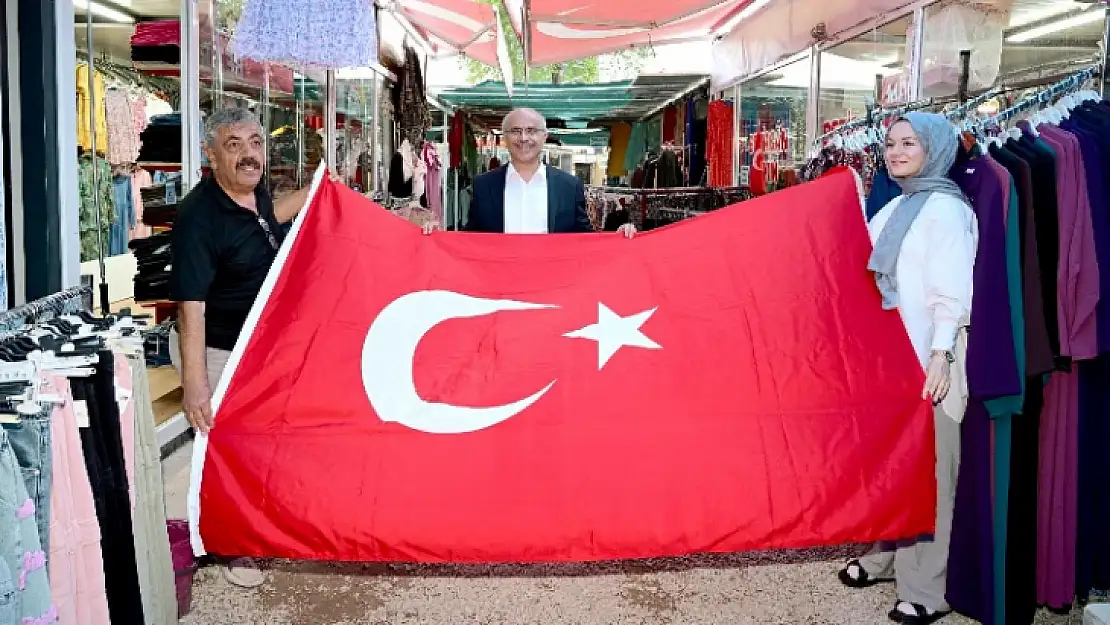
[613, 332]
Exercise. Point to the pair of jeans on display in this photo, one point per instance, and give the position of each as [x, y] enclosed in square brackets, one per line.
[152, 543]
[76, 560]
[24, 588]
[30, 440]
[104, 460]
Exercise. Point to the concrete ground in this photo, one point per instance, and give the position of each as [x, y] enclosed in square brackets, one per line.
[749, 589]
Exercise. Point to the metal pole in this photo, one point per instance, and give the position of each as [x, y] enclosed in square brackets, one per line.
[965, 75]
[329, 119]
[737, 119]
[917, 57]
[1105, 43]
[302, 132]
[458, 212]
[442, 186]
[813, 102]
[375, 131]
[267, 123]
[104, 309]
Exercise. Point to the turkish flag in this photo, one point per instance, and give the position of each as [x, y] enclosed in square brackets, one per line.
[727, 383]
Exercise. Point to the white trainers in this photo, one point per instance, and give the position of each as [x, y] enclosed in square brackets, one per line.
[244, 573]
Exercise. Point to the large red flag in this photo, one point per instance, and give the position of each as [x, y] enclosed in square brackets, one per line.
[724, 384]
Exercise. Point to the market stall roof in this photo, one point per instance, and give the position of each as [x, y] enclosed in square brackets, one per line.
[614, 101]
[463, 26]
[554, 31]
[562, 30]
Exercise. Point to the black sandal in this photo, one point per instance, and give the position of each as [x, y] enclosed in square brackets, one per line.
[854, 576]
[921, 616]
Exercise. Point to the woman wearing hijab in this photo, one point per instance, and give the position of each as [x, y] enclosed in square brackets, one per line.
[923, 258]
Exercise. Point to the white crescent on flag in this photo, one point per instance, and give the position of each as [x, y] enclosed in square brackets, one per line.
[389, 349]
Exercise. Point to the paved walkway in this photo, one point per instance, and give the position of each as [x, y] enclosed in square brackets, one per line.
[753, 589]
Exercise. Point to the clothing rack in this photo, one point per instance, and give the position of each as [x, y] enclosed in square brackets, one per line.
[1043, 96]
[876, 116]
[63, 301]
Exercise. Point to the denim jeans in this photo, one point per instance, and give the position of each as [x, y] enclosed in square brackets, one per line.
[26, 598]
[30, 440]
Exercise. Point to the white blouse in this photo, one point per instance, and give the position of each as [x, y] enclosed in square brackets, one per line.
[934, 273]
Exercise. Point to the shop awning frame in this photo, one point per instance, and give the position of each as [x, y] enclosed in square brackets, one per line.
[628, 100]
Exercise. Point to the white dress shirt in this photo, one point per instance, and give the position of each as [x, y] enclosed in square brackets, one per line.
[934, 273]
[526, 202]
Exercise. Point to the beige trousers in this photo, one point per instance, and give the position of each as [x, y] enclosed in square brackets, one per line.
[921, 569]
[216, 359]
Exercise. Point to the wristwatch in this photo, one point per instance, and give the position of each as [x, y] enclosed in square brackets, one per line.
[947, 353]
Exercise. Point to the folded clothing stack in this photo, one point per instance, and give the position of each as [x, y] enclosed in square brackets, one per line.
[153, 258]
[160, 209]
[162, 140]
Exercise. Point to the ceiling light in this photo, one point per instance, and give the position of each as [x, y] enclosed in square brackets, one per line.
[1053, 27]
[744, 14]
[103, 11]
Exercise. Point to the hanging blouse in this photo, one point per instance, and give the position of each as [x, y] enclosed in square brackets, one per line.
[321, 33]
[84, 102]
[89, 193]
[123, 140]
[718, 149]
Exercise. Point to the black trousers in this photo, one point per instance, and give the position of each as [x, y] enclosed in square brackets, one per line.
[103, 447]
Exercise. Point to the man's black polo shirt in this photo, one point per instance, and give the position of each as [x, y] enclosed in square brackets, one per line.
[221, 255]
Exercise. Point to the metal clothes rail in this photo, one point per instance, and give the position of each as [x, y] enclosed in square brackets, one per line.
[1043, 96]
[62, 302]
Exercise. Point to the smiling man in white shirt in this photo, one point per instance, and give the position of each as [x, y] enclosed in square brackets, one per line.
[526, 196]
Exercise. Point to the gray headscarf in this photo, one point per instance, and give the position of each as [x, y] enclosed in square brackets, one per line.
[938, 139]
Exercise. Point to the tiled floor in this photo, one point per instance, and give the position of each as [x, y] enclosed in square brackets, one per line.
[763, 589]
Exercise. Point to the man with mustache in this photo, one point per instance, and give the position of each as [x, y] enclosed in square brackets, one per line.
[225, 237]
[527, 197]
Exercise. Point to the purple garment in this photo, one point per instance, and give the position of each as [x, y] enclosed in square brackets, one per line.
[1078, 299]
[1097, 168]
[1057, 490]
[1038, 351]
[1078, 276]
[971, 550]
[991, 362]
[1092, 127]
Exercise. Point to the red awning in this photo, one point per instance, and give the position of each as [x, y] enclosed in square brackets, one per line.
[572, 35]
[563, 30]
[463, 26]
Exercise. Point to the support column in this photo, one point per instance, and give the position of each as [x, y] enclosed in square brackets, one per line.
[737, 118]
[917, 60]
[47, 124]
[191, 136]
[813, 101]
[329, 119]
[1104, 71]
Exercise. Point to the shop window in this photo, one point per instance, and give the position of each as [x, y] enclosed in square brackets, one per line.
[128, 131]
[773, 125]
[873, 66]
[289, 103]
[356, 126]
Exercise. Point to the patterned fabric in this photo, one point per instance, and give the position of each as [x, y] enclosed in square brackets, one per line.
[87, 214]
[718, 149]
[411, 103]
[321, 33]
[123, 138]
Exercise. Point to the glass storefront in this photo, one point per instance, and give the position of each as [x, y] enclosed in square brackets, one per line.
[854, 74]
[772, 131]
[1016, 44]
